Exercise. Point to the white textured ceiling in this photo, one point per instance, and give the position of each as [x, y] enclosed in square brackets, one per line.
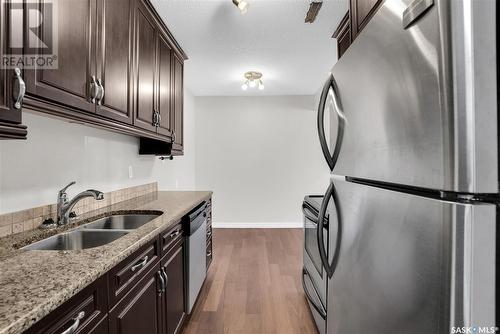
[271, 37]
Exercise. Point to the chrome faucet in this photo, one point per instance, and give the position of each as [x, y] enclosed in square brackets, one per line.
[64, 206]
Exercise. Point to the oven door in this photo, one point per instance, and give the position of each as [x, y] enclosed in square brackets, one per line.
[312, 260]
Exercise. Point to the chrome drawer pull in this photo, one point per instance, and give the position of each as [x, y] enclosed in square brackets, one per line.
[174, 234]
[140, 264]
[76, 323]
[209, 254]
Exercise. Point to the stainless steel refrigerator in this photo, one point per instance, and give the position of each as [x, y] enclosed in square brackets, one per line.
[412, 138]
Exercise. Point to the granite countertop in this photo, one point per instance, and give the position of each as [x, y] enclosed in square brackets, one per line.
[34, 283]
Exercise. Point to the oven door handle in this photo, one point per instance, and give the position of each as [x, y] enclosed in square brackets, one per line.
[320, 309]
[329, 267]
[308, 214]
[312, 217]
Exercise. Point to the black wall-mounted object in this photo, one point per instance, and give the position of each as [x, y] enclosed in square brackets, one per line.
[148, 146]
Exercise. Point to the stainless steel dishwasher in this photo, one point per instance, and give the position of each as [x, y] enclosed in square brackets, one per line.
[196, 226]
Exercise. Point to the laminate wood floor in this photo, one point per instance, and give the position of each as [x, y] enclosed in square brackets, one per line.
[253, 285]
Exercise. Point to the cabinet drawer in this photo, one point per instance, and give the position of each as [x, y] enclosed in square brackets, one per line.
[170, 237]
[209, 254]
[128, 272]
[84, 311]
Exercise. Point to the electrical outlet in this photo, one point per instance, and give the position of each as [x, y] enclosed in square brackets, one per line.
[130, 172]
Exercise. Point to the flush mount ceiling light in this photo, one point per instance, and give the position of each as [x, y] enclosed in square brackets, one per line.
[314, 8]
[242, 5]
[253, 79]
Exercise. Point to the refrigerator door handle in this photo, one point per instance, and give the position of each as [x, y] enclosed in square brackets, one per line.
[319, 309]
[329, 267]
[331, 158]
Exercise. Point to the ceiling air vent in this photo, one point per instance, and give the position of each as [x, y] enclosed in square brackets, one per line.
[314, 8]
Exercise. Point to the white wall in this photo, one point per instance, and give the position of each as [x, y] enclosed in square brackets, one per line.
[260, 156]
[57, 152]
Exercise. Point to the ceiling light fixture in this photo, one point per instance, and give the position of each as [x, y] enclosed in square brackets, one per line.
[253, 79]
[242, 5]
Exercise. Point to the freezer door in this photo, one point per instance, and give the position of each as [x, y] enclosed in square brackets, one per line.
[419, 102]
[411, 264]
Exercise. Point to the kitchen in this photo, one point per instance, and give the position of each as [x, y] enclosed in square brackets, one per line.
[165, 164]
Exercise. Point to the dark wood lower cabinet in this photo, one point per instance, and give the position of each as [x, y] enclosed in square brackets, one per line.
[175, 293]
[85, 312]
[140, 310]
[145, 293]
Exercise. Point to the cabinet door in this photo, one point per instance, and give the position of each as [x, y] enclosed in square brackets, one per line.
[140, 310]
[7, 111]
[70, 82]
[145, 48]
[343, 35]
[178, 114]
[362, 11]
[164, 85]
[10, 115]
[114, 59]
[175, 290]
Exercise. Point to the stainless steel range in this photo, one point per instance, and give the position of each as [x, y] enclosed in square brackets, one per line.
[314, 277]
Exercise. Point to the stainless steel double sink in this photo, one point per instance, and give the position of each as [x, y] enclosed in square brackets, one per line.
[94, 234]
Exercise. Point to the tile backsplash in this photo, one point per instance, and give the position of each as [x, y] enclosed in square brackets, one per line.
[15, 222]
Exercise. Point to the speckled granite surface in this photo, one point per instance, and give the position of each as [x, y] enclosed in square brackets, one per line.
[33, 283]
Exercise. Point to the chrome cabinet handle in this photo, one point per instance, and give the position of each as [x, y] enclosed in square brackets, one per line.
[209, 254]
[94, 89]
[319, 309]
[164, 271]
[174, 234]
[20, 90]
[329, 267]
[162, 282]
[155, 118]
[140, 264]
[100, 96]
[331, 158]
[173, 137]
[76, 323]
[159, 118]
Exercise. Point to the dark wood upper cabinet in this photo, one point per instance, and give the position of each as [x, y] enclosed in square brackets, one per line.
[343, 35]
[117, 66]
[10, 81]
[175, 304]
[361, 13]
[178, 106]
[70, 82]
[114, 59]
[145, 61]
[164, 88]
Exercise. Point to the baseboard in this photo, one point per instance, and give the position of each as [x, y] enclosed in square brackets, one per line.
[257, 224]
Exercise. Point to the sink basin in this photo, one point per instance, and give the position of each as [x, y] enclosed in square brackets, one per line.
[76, 240]
[121, 222]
